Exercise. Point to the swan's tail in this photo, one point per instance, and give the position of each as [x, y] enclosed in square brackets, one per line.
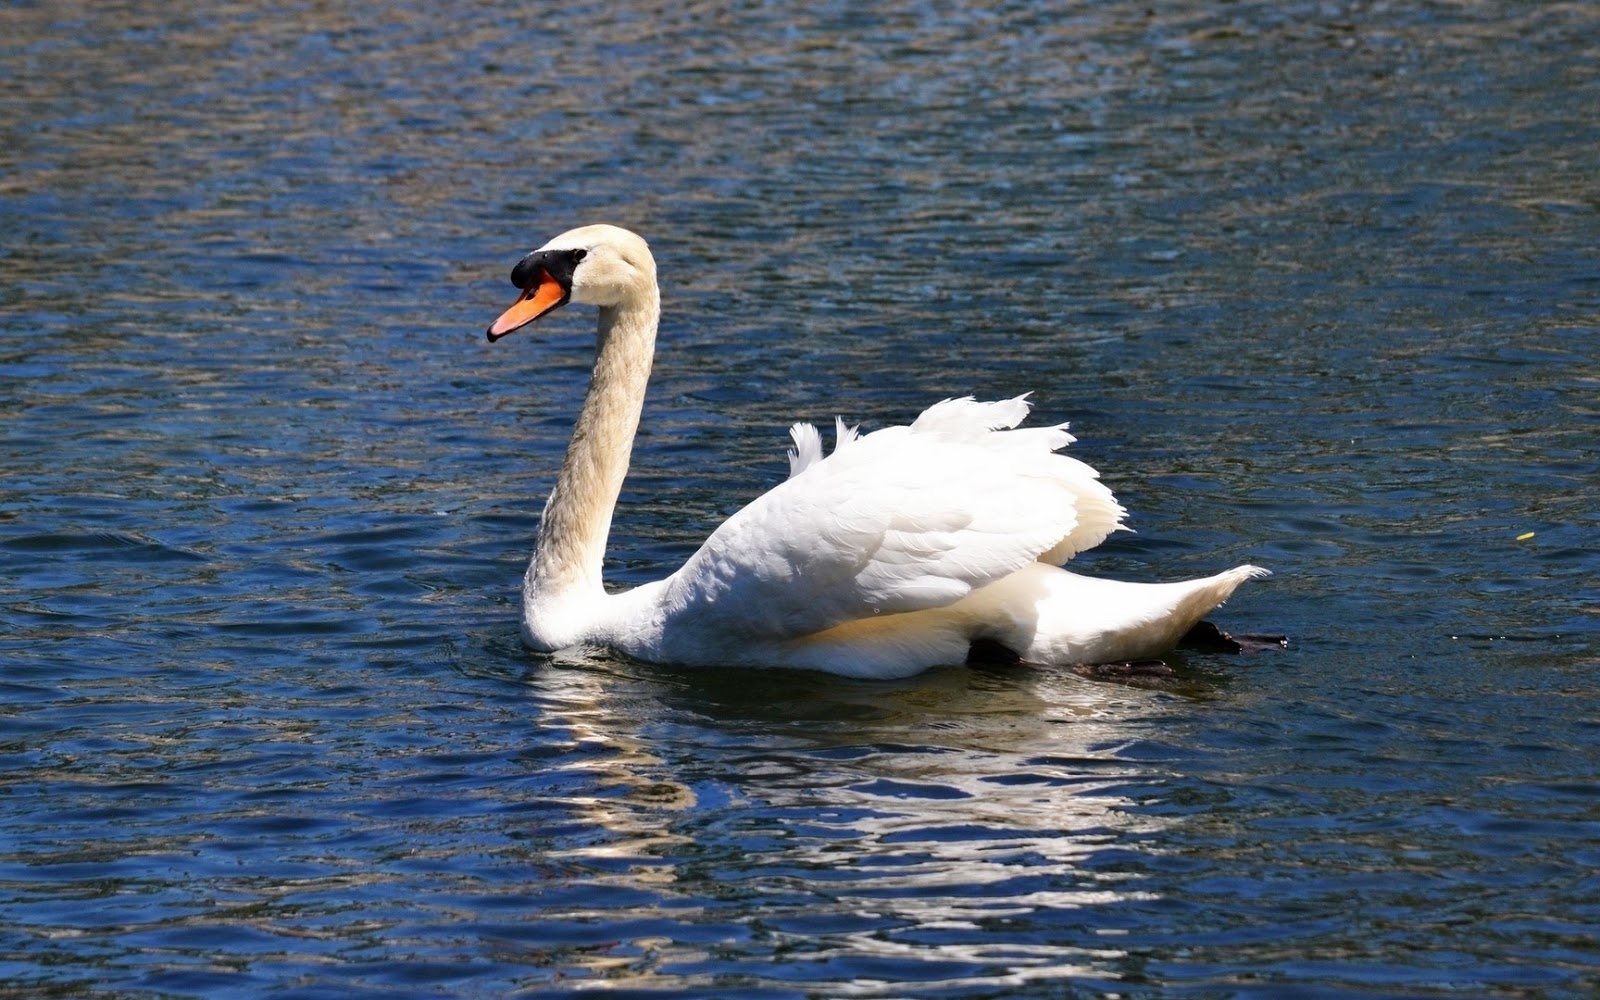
[1086, 620]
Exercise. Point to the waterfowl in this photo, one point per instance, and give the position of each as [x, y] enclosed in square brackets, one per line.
[905, 548]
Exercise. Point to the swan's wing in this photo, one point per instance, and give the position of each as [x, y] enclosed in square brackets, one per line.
[898, 520]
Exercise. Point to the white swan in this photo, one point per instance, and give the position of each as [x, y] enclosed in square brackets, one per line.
[902, 549]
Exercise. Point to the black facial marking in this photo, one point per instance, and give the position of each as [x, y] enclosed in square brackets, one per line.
[559, 264]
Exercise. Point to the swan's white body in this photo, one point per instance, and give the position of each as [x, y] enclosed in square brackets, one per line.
[896, 552]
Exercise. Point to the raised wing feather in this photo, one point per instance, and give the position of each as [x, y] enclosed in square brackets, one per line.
[902, 519]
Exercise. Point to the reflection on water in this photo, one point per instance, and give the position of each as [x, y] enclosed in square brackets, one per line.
[872, 823]
[1314, 283]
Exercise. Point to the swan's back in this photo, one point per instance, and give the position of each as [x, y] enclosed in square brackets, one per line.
[899, 520]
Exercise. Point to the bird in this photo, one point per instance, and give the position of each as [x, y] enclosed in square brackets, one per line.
[936, 543]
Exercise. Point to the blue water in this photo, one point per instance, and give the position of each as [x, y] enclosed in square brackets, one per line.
[1316, 284]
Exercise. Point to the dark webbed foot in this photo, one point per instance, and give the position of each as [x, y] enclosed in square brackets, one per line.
[1207, 638]
[1203, 638]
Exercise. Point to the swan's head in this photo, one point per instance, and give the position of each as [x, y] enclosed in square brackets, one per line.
[597, 265]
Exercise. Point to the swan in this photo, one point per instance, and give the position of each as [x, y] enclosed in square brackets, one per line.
[900, 550]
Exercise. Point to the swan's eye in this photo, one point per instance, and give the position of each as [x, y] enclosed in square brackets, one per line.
[578, 255]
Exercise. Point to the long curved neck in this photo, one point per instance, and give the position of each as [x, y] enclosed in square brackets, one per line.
[577, 518]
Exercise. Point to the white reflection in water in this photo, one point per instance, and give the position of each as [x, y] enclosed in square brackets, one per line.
[943, 823]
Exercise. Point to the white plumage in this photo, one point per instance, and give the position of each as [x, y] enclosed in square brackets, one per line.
[895, 552]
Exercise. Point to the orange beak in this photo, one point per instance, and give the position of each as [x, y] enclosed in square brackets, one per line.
[537, 299]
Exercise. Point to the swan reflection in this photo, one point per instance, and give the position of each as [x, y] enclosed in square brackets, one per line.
[965, 828]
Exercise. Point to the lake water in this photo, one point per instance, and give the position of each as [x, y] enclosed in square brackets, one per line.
[1316, 284]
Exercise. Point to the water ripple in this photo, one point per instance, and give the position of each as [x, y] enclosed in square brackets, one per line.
[1314, 284]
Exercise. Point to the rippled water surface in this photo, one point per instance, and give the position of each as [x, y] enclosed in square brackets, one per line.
[1315, 282]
